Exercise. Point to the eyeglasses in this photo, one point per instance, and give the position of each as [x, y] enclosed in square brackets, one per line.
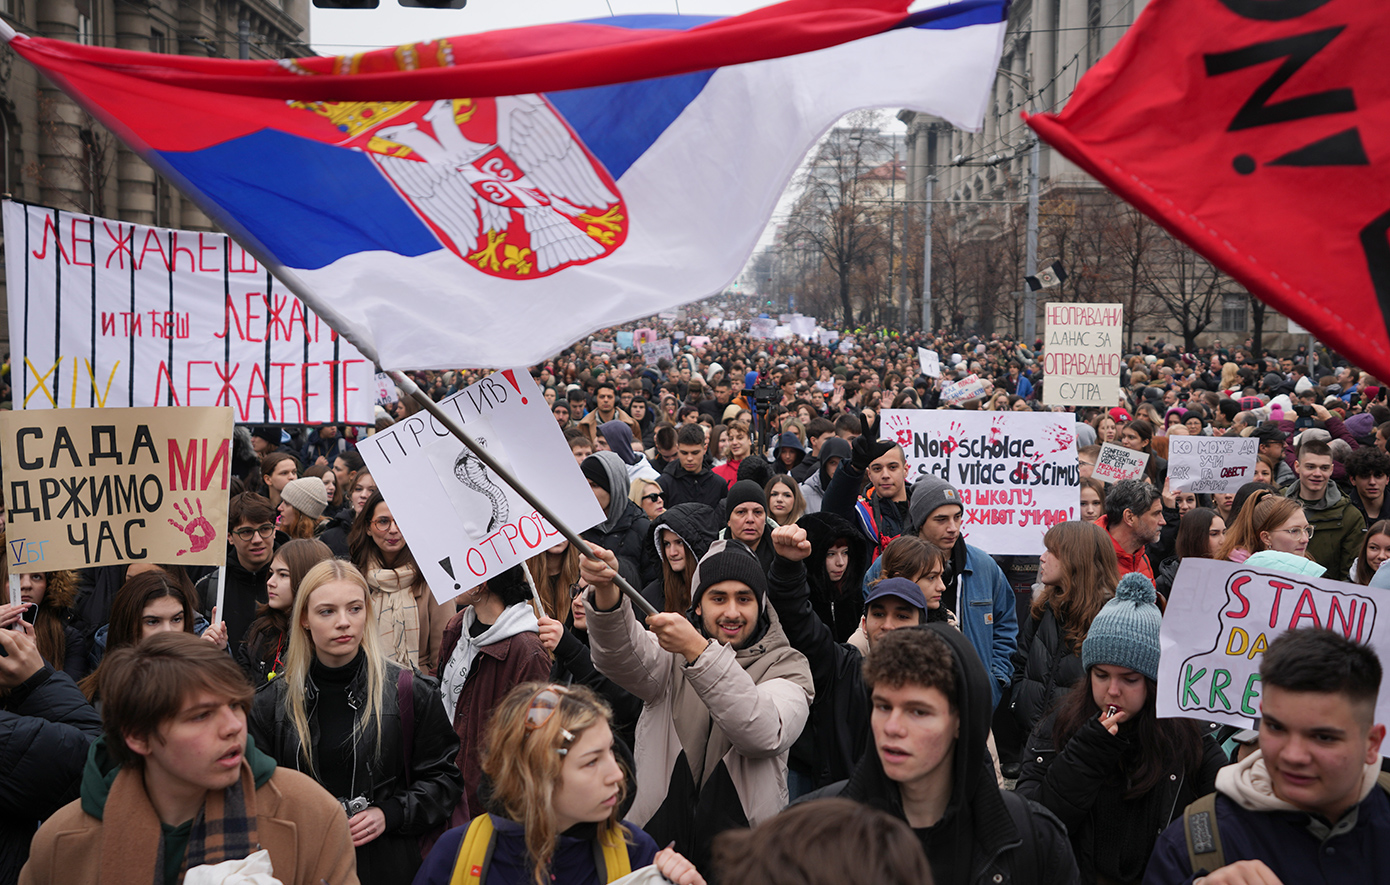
[543, 705]
[653, 497]
[1305, 530]
[245, 532]
[383, 523]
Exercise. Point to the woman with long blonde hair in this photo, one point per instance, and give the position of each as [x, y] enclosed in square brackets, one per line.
[1078, 571]
[559, 790]
[338, 713]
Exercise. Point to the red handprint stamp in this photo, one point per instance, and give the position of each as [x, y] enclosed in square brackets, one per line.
[200, 532]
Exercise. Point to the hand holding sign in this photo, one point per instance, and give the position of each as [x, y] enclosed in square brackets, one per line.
[1117, 463]
[1211, 465]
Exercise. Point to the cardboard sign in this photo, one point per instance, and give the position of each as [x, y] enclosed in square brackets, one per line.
[105, 313]
[463, 523]
[1081, 359]
[1211, 464]
[656, 350]
[601, 347]
[1016, 472]
[1222, 616]
[88, 487]
[1116, 463]
[385, 389]
[969, 387]
[929, 362]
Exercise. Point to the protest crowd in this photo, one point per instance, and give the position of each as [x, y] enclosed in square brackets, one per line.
[838, 684]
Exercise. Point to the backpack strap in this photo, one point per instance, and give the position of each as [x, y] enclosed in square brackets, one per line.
[475, 852]
[405, 700]
[610, 855]
[1204, 851]
[1384, 780]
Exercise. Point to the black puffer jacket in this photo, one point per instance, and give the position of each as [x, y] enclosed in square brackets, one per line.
[694, 523]
[680, 486]
[987, 836]
[1084, 784]
[1045, 667]
[839, 607]
[46, 726]
[414, 801]
[628, 541]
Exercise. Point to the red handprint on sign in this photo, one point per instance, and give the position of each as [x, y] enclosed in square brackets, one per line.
[200, 532]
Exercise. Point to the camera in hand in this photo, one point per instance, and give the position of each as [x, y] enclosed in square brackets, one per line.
[354, 806]
[764, 394]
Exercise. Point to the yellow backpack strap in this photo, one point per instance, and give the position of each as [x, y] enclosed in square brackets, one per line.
[1204, 851]
[1384, 780]
[610, 853]
[475, 853]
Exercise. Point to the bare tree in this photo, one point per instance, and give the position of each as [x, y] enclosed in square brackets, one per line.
[80, 155]
[1188, 288]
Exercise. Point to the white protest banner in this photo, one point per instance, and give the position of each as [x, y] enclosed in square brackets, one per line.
[782, 332]
[1081, 358]
[733, 326]
[667, 316]
[969, 387]
[385, 389]
[1211, 464]
[1116, 463]
[804, 327]
[785, 318]
[656, 350]
[1016, 472]
[105, 313]
[761, 327]
[601, 347]
[1222, 616]
[846, 344]
[89, 487]
[463, 523]
[929, 362]
[827, 337]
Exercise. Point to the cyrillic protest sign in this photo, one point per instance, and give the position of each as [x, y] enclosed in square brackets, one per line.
[1016, 472]
[385, 389]
[1222, 616]
[1211, 464]
[105, 313]
[1081, 359]
[89, 487]
[967, 388]
[929, 362]
[463, 523]
[657, 350]
[1116, 463]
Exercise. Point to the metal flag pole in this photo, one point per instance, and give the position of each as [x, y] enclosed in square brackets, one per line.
[411, 389]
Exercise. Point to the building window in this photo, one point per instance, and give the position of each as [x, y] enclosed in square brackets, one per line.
[156, 40]
[1235, 313]
[1092, 32]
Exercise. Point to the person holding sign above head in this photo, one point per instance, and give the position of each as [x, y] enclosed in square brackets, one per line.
[1335, 525]
[1138, 436]
[1102, 761]
[1133, 519]
[1308, 806]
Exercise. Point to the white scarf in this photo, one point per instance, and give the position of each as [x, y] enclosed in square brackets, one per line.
[1247, 784]
[517, 618]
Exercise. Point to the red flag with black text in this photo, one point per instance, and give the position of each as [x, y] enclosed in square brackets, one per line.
[1257, 132]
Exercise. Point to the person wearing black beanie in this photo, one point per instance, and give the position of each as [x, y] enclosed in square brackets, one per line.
[745, 520]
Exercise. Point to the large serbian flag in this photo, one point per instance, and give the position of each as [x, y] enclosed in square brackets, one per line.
[1258, 132]
[487, 200]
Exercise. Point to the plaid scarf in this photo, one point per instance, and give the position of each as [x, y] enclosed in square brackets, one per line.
[225, 828]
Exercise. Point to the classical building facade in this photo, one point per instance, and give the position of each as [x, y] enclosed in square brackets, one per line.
[980, 180]
[57, 155]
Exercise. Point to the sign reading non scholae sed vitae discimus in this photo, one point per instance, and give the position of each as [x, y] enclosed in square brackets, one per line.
[1081, 354]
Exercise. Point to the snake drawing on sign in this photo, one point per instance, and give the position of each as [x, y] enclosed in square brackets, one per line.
[471, 471]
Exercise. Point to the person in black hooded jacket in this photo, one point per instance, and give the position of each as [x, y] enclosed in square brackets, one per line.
[835, 571]
[833, 453]
[929, 766]
[788, 453]
[625, 528]
[692, 527]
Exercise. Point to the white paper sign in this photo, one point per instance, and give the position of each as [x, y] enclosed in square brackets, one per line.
[657, 350]
[1211, 464]
[761, 328]
[969, 387]
[601, 347]
[463, 523]
[846, 344]
[1222, 616]
[1016, 472]
[1116, 463]
[827, 337]
[929, 362]
[106, 313]
[1081, 359]
[804, 327]
[385, 390]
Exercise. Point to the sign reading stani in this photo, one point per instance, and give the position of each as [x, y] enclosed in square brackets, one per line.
[1016, 472]
[105, 313]
[89, 487]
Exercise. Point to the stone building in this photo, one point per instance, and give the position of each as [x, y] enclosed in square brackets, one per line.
[57, 155]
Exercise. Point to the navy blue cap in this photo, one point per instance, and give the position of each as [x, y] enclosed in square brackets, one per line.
[906, 590]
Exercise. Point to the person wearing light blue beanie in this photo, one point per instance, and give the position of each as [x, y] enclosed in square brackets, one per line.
[1102, 761]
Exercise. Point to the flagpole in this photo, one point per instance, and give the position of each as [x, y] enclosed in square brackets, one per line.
[411, 389]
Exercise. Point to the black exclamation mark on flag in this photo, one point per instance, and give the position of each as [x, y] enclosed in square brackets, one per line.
[449, 567]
